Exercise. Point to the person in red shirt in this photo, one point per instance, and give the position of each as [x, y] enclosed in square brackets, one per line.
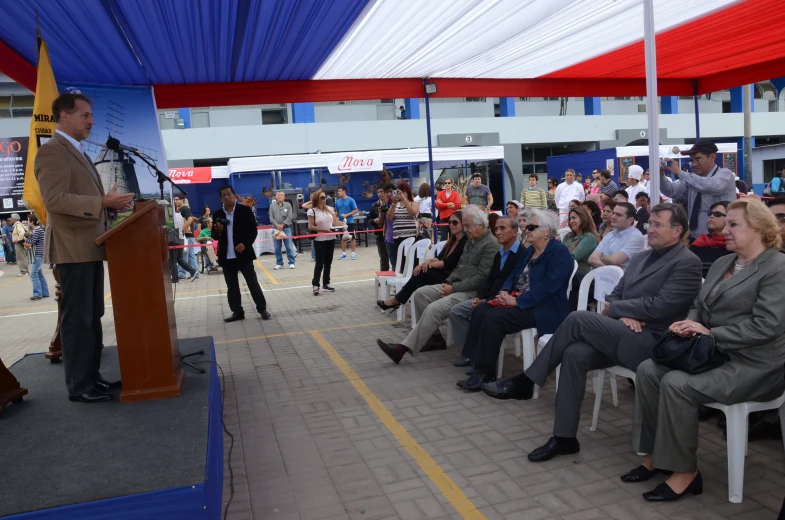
[447, 202]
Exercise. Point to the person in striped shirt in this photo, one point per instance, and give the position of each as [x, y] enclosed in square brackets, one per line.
[36, 243]
[533, 197]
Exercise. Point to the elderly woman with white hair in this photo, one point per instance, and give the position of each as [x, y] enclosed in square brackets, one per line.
[535, 295]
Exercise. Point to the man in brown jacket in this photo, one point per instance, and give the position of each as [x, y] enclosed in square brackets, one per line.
[77, 213]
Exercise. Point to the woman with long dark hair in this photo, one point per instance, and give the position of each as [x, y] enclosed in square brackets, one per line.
[402, 216]
[321, 219]
[582, 239]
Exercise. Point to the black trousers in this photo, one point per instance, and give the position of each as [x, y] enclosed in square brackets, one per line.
[487, 329]
[444, 231]
[176, 258]
[80, 324]
[231, 268]
[324, 261]
[430, 277]
[381, 246]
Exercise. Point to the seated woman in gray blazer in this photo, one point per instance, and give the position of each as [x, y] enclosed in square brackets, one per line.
[741, 304]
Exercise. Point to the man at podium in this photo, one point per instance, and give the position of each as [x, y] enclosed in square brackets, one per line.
[77, 213]
[234, 227]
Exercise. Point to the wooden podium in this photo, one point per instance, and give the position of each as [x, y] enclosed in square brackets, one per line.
[10, 389]
[137, 251]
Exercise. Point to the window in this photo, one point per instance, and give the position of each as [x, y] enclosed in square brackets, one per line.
[200, 119]
[642, 107]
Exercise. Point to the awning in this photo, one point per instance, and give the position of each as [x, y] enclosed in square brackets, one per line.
[231, 52]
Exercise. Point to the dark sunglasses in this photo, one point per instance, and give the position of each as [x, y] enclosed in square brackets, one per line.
[448, 184]
[780, 217]
[454, 222]
[532, 227]
[717, 214]
[323, 197]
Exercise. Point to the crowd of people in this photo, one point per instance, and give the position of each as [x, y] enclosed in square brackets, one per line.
[491, 281]
[23, 246]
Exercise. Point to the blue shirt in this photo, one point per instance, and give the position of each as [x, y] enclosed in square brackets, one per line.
[629, 241]
[505, 254]
[7, 230]
[343, 206]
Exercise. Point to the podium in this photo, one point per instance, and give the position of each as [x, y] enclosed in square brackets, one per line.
[10, 389]
[137, 251]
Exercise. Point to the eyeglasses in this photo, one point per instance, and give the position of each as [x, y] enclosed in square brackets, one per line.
[322, 198]
[780, 217]
[717, 214]
[448, 184]
[533, 227]
[454, 222]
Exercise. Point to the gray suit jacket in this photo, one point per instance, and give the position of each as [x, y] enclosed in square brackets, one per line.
[746, 315]
[660, 294]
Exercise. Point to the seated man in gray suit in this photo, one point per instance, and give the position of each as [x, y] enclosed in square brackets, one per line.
[657, 288]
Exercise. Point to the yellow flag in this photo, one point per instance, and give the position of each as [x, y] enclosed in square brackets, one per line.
[42, 127]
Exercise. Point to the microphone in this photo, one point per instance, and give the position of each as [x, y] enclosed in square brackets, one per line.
[114, 145]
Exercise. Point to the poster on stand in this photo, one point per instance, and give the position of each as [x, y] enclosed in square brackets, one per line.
[13, 158]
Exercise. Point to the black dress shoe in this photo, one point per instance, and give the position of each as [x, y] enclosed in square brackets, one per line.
[103, 385]
[555, 446]
[265, 315]
[435, 342]
[664, 493]
[394, 352]
[91, 396]
[463, 362]
[235, 317]
[385, 307]
[474, 383]
[641, 474]
[507, 389]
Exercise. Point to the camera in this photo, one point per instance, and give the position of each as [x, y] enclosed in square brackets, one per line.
[222, 221]
[395, 193]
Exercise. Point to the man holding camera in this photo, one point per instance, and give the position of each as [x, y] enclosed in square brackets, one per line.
[234, 227]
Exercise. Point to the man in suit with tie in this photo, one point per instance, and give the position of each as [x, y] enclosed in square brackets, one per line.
[657, 288]
[78, 211]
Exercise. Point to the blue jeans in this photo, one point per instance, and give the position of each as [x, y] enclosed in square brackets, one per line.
[392, 253]
[190, 255]
[289, 248]
[40, 287]
[10, 253]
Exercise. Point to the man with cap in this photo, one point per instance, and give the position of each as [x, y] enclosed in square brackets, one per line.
[634, 186]
[700, 190]
[513, 207]
[478, 193]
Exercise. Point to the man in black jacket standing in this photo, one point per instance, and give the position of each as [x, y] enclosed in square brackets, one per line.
[234, 227]
[503, 264]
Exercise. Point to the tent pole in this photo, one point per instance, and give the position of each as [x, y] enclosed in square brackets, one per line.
[430, 151]
[504, 189]
[652, 107]
[697, 111]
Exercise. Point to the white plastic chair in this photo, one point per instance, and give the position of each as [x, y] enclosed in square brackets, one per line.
[420, 250]
[737, 421]
[433, 252]
[382, 291]
[527, 338]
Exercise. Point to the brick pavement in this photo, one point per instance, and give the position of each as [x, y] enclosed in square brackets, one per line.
[310, 446]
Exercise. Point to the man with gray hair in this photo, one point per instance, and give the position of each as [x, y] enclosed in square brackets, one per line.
[18, 237]
[432, 303]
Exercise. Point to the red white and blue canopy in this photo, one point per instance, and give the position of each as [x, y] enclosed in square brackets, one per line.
[237, 52]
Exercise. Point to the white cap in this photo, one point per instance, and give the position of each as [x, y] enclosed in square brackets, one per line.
[635, 172]
[517, 204]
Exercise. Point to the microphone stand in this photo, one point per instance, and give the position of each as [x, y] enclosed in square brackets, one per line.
[161, 177]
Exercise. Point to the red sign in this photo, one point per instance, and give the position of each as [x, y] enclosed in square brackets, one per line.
[199, 175]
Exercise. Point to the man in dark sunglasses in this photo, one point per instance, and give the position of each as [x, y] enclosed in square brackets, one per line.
[711, 246]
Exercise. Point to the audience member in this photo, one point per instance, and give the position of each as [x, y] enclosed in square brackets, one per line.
[642, 215]
[634, 186]
[503, 264]
[608, 187]
[596, 185]
[607, 216]
[189, 253]
[36, 244]
[205, 216]
[435, 270]
[19, 234]
[447, 201]
[777, 208]
[533, 197]
[575, 203]
[210, 247]
[402, 218]
[594, 211]
[741, 186]
[8, 242]
[550, 195]
[322, 219]
[523, 217]
[741, 306]
[478, 193]
[377, 216]
[658, 288]
[177, 258]
[711, 246]
[425, 217]
[565, 193]
[346, 209]
[708, 184]
[618, 246]
[492, 218]
[621, 196]
[582, 239]
[432, 304]
[513, 207]
[534, 295]
[281, 215]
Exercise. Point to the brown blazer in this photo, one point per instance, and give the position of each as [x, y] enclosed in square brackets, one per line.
[72, 195]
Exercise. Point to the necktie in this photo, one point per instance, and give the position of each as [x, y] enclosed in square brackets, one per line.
[696, 210]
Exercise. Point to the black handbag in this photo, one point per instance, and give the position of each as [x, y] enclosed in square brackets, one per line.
[694, 354]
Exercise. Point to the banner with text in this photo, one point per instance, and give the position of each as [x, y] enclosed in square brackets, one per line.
[355, 162]
[195, 175]
[13, 158]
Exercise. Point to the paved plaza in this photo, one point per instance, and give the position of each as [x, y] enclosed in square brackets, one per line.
[327, 427]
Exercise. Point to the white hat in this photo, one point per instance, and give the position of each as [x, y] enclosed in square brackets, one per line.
[635, 172]
[517, 204]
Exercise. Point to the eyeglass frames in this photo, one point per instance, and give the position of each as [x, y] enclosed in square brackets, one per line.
[455, 222]
[716, 214]
[533, 227]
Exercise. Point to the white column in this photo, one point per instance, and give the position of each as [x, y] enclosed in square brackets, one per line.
[652, 107]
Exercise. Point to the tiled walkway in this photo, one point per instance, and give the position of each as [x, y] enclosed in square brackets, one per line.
[327, 427]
